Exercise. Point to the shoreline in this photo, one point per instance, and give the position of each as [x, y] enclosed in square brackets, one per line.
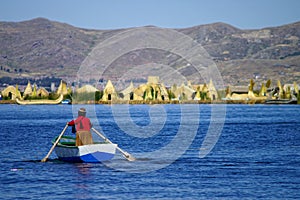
[152, 102]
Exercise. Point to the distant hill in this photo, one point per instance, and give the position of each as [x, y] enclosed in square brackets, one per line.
[42, 48]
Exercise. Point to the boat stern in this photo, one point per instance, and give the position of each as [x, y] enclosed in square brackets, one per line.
[92, 153]
[97, 152]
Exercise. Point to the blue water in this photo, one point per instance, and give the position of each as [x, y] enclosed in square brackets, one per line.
[257, 156]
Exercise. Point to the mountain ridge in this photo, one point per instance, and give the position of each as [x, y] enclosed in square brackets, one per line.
[40, 47]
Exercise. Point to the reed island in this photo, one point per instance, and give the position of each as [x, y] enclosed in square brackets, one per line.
[154, 91]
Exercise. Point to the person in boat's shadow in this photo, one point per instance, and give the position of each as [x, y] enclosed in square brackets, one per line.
[82, 126]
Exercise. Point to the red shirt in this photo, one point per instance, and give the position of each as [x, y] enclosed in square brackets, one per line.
[81, 123]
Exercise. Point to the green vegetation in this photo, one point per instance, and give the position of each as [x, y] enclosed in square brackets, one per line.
[171, 95]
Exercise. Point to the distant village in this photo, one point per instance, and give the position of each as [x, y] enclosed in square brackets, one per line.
[153, 91]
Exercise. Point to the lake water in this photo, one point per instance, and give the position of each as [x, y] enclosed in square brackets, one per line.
[256, 156]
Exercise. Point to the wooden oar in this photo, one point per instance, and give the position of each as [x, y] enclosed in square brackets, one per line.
[128, 156]
[56, 142]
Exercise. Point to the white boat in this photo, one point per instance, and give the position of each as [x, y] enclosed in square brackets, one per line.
[92, 153]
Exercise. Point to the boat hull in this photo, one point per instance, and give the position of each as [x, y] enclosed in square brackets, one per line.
[93, 153]
[281, 101]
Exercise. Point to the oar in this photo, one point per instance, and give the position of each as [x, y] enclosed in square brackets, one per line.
[56, 142]
[125, 154]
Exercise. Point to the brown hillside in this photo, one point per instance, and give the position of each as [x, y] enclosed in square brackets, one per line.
[40, 47]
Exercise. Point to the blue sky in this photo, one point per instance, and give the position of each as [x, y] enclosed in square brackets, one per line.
[112, 14]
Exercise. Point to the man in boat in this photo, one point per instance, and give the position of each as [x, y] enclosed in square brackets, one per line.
[83, 128]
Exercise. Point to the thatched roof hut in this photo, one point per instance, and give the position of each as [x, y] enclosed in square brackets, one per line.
[42, 92]
[129, 93]
[62, 88]
[183, 92]
[28, 90]
[109, 92]
[212, 91]
[87, 89]
[11, 92]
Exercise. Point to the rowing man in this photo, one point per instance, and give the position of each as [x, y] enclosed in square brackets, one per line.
[83, 128]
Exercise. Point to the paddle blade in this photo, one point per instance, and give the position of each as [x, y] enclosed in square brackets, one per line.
[125, 154]
[52, 148]
[129, 157]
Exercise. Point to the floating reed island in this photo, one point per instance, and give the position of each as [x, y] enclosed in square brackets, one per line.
[155, 92]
